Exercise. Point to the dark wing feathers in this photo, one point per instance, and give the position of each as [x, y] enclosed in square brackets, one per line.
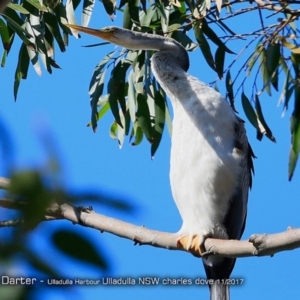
[236, 218]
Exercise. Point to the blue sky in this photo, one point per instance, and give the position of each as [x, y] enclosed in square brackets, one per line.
[60, 103]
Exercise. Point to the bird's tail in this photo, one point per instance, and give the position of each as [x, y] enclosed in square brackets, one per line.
[219, 291]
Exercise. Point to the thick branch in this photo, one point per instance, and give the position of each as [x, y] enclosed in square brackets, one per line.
[257, 245]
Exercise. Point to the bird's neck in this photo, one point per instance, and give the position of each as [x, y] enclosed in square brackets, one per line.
[165, 46]
[168, 69]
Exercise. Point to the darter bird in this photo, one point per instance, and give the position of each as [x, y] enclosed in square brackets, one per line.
[211, 159]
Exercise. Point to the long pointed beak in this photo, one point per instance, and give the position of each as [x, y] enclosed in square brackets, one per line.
[96, 32]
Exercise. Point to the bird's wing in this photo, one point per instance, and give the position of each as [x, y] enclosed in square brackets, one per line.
[236, 217]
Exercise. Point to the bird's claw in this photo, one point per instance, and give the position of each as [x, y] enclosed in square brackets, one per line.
[193, 243]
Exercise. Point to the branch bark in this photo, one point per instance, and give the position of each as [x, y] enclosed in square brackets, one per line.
[256, 245]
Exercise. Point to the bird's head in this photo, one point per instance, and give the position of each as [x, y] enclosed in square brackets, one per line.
[112, 34]
[134, 40]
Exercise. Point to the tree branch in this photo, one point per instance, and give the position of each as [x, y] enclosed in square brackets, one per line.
[276, 8]
[257, 245]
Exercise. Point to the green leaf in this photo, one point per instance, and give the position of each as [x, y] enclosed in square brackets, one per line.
[220, 59]
[122, 3]
[113, 102]
[249, 111]
[137, 132]
[116, 90]
[17, 7]
[139, 69]
[70, 13]
[273, 58]
[295, 58]
[37, 4]
[264, 128]
[4, 35]
[295, 131]
[121, 129]
[287, 90]
[143, 116]
[287, 44]
[175, 3]
[264, 71]
[295, 146]
[204, 47]
[49, 41]
[144, 7]
[127, 122]
[28, 185]
[76, 3]
[229, 88]
[219, 5]
[110, 7]
[133, 7]
[96, 88]
[182, 38]
[52, 24]
[213, 36]
[160, 114]
[104, 109]
[87, 10]
[182, 7]
[113, 130]
[161, 11]
[131, 97]
[146, 18]
[16, 23]
[22, 69]
[127, 23]
[104, 104]
[176, 20]
[78, 247]
[53, 63]
[3, 58]
[38, 263]
[118, 84]
[253, 57]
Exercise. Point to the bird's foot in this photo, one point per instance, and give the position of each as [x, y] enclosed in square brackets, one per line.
[193, 243]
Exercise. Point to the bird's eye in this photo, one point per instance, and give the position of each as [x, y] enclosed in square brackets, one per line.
[109, 30]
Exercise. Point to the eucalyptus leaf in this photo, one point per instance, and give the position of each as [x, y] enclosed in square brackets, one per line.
[204, 46]
[249, 111]
[143, 116]
[229, 89]
[79, 247]
[87, 10]
[137, 132]
[160, 114]
[272, 63]
[220, 59]
[264, 128]
[110, 7]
